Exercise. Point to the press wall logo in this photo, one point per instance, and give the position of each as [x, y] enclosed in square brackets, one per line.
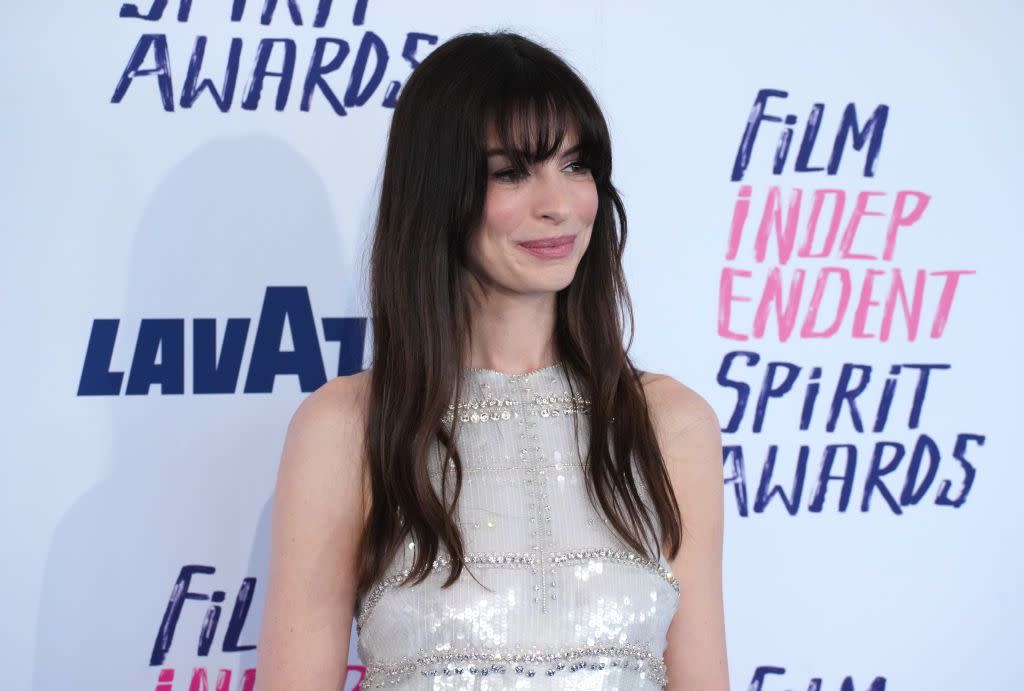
[159, 351]
[188, 588]
[762, 681]
[326, 72]
[826, 265]
[183, 592]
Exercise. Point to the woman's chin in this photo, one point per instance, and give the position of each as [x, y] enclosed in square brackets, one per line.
[551, 284]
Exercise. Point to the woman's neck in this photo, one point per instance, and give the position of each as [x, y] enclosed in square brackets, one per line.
[512, 333]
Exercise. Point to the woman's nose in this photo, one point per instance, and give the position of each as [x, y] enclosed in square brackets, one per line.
[552, 197]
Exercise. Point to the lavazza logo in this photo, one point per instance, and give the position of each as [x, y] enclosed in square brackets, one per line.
[158, 356]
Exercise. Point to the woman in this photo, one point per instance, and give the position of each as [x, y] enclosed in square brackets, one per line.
[474, 442]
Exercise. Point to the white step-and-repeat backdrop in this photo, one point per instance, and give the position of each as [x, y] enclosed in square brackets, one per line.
[824, 240]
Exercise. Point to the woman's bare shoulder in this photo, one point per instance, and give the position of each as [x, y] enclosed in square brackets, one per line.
[325, 437]
[674, 406]
[338, 405]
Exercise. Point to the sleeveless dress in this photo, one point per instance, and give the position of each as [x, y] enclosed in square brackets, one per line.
[562, 602]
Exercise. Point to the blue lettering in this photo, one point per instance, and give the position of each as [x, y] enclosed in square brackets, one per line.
[877, 470]
[269, 6]
[268, 361]
[350, 334]
[870, 135]
[159, 350]
[873, 129]
[212, 374]
[191, 91]
[358, 94]
[162, 70]
[317, 70]
[757, 682]
[850, 466]
[166, 338]
[97, 379]
[732, 456]
[845, 393]
[742, 390]
[912, 491]
[238, 615]
[261, 71]
[958, 453]
[760, 673]
[179, 593]
[769, 389]
[807, 143]
[412, 42]
[920, 390]
[754, 120]
[765, 494]
[130, 10]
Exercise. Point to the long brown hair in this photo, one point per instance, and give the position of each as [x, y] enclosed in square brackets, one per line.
[431, 200]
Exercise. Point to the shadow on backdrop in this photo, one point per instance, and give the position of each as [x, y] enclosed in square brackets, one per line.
[189, 474]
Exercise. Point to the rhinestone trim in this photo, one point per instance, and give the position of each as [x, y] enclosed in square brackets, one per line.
[491, 409]
[495, 468]
[620, 556]
[536, 491]
[519, 560]
[484, 661]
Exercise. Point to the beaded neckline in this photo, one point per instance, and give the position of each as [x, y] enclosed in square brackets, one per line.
[509, 375]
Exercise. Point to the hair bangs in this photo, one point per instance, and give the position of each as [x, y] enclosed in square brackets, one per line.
[533, 113]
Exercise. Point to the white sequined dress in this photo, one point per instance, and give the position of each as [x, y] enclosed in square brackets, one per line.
[564, 602]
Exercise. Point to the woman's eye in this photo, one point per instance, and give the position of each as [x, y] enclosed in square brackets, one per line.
[578, 167]
[508, 174]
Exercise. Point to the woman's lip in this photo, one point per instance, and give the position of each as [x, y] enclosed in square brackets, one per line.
[550, 248]
[549, 242]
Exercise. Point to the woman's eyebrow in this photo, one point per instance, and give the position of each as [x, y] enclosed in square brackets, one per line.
[503, 152]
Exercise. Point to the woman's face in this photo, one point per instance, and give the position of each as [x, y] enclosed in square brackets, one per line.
[536, 224]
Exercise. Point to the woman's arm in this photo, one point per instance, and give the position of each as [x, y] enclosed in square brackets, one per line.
[691, 443]
[318, 517]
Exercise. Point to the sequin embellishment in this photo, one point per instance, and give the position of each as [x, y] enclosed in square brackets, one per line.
[518, 559]
[482, 661]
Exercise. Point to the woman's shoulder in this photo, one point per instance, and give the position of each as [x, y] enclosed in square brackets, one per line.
[333, 413]
[674, 406]
[690, 438]
[337, 407]
[323, 446]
